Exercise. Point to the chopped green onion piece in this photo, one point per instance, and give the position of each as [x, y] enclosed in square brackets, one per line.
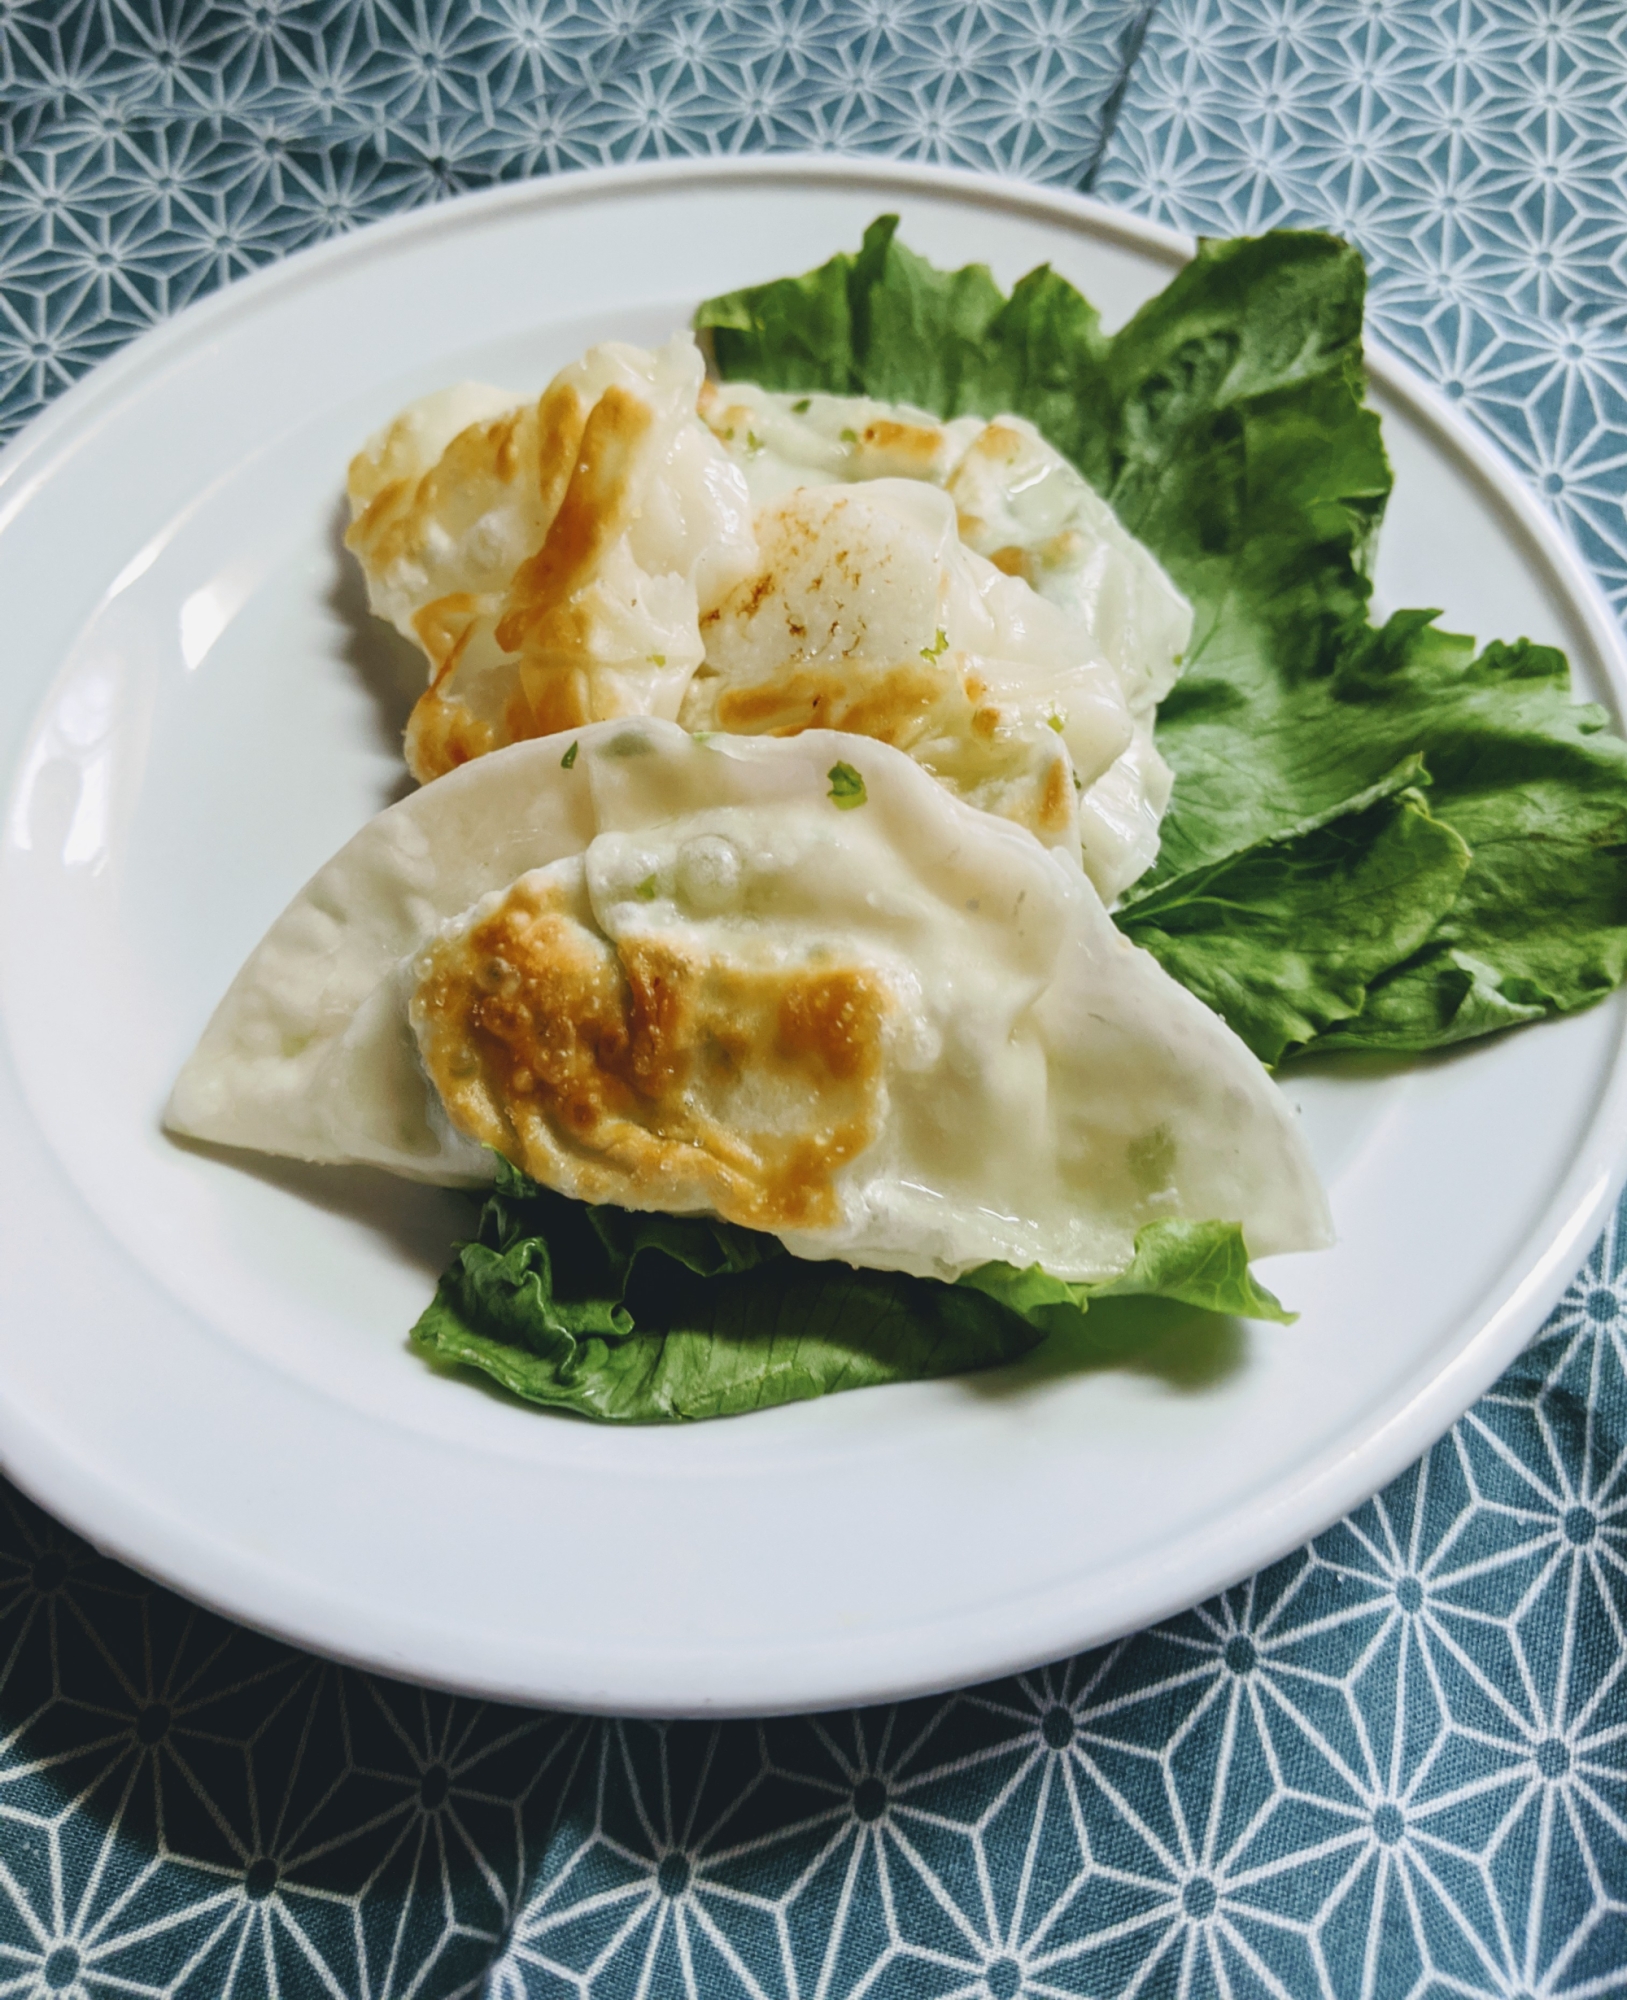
[846, 787]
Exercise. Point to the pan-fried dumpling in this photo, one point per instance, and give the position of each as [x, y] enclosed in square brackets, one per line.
[386, 486]
[581, 557]
[784, 440]
[790, 981]
[1020, 503]
[553, 558]
[1023, 507]
[1017, 500]
[868, 614]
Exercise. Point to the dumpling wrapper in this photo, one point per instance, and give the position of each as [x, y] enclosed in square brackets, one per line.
[867, 614]
[1021, 506]
[683, 975]
[1018, 501]
[552, 559]
[571, 559]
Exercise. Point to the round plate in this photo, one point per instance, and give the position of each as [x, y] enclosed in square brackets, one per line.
[203, 1361]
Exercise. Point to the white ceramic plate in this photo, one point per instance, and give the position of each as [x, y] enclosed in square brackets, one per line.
[203, 1364]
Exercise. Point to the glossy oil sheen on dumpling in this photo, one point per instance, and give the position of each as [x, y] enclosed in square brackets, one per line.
[552, 558]
[1022, 506]
[867, 613]
[681, 976]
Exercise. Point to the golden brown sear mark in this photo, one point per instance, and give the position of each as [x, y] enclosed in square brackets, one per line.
[651, 1074]
[893, 707]
[1057, 802]
[594, 511]
[584, 461]
[533, 447]
[911, 450]
[1014, 562]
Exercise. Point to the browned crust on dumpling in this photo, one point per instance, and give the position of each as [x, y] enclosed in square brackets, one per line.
[591, 494]
[1013, 562]
[893, 707]
[535, 445]
[908, 451]
[650, 1074]
[596, 508]
[1056, 801]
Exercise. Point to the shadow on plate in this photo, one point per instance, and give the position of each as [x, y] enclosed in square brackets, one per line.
[421, 1225]
[1188, 1350]
[390, 668]
[419, 1222]
[1375, 1066]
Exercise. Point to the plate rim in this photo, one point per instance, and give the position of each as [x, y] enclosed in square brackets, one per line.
[1409, 1421]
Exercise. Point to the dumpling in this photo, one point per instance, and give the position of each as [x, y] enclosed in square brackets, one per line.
[793, 982]
[581, 557]
[868, 614]
[781, 441]
[386, 486]
[1023, 507]
[1020, 503]
[553, 558]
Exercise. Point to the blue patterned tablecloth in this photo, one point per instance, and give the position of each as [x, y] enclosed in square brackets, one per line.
[1393, 1765]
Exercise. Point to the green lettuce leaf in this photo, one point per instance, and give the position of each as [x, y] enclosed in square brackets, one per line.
[1202, 1264]
[1533, 782]
[1285, 939]
[1537, 786]
[653, 1318]
[1226, 425]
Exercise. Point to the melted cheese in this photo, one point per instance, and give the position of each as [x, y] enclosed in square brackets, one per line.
[680, 975]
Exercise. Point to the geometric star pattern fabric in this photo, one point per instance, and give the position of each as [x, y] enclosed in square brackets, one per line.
[155, 149]
[1395, 1763]
[1476, 150]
